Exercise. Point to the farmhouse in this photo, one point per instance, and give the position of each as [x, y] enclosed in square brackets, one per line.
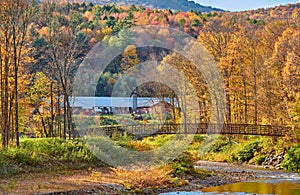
[118, 105]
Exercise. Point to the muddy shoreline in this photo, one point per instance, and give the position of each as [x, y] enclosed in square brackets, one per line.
[194, 182]
[216, 174]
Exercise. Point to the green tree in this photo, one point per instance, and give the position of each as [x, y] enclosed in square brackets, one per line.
[76, 20]
[181, 22]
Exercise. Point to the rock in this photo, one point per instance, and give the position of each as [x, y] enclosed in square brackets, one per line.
[115, 187]
[278, 167]
[273, 160]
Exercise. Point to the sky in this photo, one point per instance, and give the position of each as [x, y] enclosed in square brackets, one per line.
[241, 5]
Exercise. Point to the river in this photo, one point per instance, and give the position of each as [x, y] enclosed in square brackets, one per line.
[266, 182]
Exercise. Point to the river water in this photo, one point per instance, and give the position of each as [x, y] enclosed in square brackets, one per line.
[266, 186]
[267, 182]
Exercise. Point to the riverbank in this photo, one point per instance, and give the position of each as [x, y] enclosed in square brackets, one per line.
[88, 182]
[105, 180]
[55, 166]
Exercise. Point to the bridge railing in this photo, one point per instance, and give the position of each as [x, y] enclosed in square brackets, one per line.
[194, 128]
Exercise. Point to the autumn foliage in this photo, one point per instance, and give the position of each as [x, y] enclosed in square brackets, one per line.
[42, 45]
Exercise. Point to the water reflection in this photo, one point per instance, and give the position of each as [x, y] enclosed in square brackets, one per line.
[270, 186]
[206, 193]
[272, 182]
[264, 186]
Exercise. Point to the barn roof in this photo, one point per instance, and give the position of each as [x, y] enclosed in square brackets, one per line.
[117, 102]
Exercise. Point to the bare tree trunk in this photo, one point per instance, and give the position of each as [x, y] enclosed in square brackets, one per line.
[2, 88]
[228, 102]
[5, 117]
[228, 105]
[70, 122]
[173, 109]
[65, 117]
[245, 99]
[11, 118]
[43, 123]
[51, 126]
[16, 70]
[255, 94]
[10, 135]
[66, 96]
[59, 113]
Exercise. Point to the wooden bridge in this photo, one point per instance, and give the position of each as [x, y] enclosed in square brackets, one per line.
[196, 128]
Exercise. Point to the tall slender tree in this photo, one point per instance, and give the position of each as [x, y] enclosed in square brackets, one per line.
[66, 47]
[15, 17]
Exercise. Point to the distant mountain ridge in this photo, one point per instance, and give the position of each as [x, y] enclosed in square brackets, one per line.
[181, 5]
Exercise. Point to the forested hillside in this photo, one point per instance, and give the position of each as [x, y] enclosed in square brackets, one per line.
[181, 5]
[42, 45]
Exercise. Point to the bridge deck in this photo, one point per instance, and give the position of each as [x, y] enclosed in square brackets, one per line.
[197, 128]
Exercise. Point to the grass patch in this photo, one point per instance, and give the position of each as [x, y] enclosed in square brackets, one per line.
[158, 141]
[45, 154]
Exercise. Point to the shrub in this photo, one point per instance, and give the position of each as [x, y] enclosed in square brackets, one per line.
[183, 165]
[6, 166]
[108, 121]
[137, 181]
[22, 157]
[45, 154]
[159, 140]
[136, 145]
[57, 149]
[198, 138]
[247, 152]
[291, 160]
[219, 145]
[147, 117]
[260, 159]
